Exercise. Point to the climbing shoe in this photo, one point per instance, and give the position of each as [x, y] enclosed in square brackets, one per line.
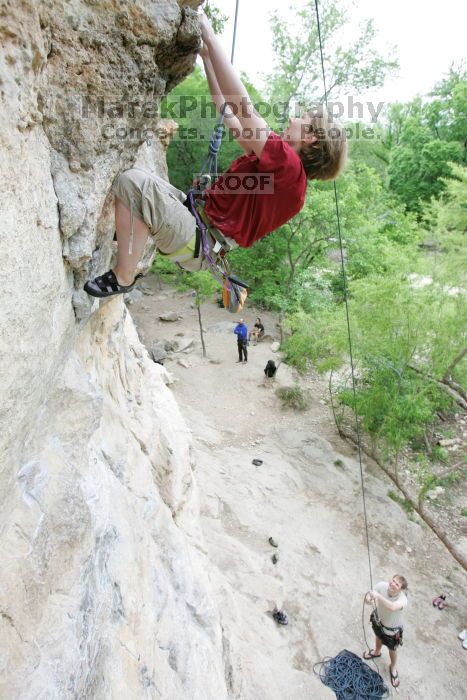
[107, 285]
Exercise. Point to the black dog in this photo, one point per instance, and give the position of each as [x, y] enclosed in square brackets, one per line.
[270, 369]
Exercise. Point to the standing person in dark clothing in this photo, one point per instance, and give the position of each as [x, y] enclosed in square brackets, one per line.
[241, 331]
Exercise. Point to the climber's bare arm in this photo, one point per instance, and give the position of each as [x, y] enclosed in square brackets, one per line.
[254, 129]
[230, 120]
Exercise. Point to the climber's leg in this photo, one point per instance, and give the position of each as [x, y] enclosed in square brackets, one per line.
[132, 234]
[146, 204]
[127, 262]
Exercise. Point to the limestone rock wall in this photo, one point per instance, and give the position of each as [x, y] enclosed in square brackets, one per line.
[103, 584]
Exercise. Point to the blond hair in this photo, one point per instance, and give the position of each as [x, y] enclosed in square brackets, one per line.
[325, 158]
[402, 580]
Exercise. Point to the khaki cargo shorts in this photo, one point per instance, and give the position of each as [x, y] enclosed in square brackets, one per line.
[160, 205]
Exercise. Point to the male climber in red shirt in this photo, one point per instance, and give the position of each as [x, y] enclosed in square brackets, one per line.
[312, 147]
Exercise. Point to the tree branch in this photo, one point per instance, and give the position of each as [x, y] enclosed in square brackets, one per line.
[458, 398]
[456, 360]
[417, 506]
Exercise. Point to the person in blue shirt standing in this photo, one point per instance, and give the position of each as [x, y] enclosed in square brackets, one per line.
[241, 331]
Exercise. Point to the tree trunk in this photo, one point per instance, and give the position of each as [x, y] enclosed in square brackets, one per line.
[198, 306]
[417, 506]
[281, 330]
[456, 387]
[445, 384]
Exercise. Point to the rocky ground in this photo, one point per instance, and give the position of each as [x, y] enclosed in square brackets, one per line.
[306, 494]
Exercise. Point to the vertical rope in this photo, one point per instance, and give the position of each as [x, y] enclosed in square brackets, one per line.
[210, 163]
[234, 39]
[232, 54]
[132, 232]
[347, 314]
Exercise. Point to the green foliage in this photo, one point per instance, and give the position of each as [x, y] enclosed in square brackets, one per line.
[403, 502]
[203, 284]
[451, 211]
[464, 512]
[292, 397]
[319, 338]
[439, 454]
[278, 269]
[394, 405]
[397, 328]
[431, 481]
[283, 268]
[167, 271]
[191, 105]
[352, 66]
[446, 112]
[215, 16]
[373, 152]
[416, 169]
[425, 138]
[402, 194]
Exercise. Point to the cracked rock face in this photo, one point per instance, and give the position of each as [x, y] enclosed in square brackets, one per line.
[68, 71]
[103, 585]
[106, 70]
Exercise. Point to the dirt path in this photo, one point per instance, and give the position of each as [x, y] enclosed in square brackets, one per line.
[307, 495]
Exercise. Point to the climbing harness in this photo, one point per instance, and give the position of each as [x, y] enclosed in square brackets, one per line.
[212, 242]
[391, 636]
[215, 246]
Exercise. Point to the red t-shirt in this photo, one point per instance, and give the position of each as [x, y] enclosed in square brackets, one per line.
[247, 216]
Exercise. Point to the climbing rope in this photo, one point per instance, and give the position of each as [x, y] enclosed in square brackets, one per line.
[209, 167]
[218, 265]
[346, 674]
[347, 313]
[349, 677]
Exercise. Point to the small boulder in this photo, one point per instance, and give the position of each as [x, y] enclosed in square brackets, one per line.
[83, 304]
[169, 316]
[157, 351]
[434, 493]
[448, 442]
[275, 346]
[222, 327]
[184, 363]
[148, 291]
[133, 296]
[184, 344]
